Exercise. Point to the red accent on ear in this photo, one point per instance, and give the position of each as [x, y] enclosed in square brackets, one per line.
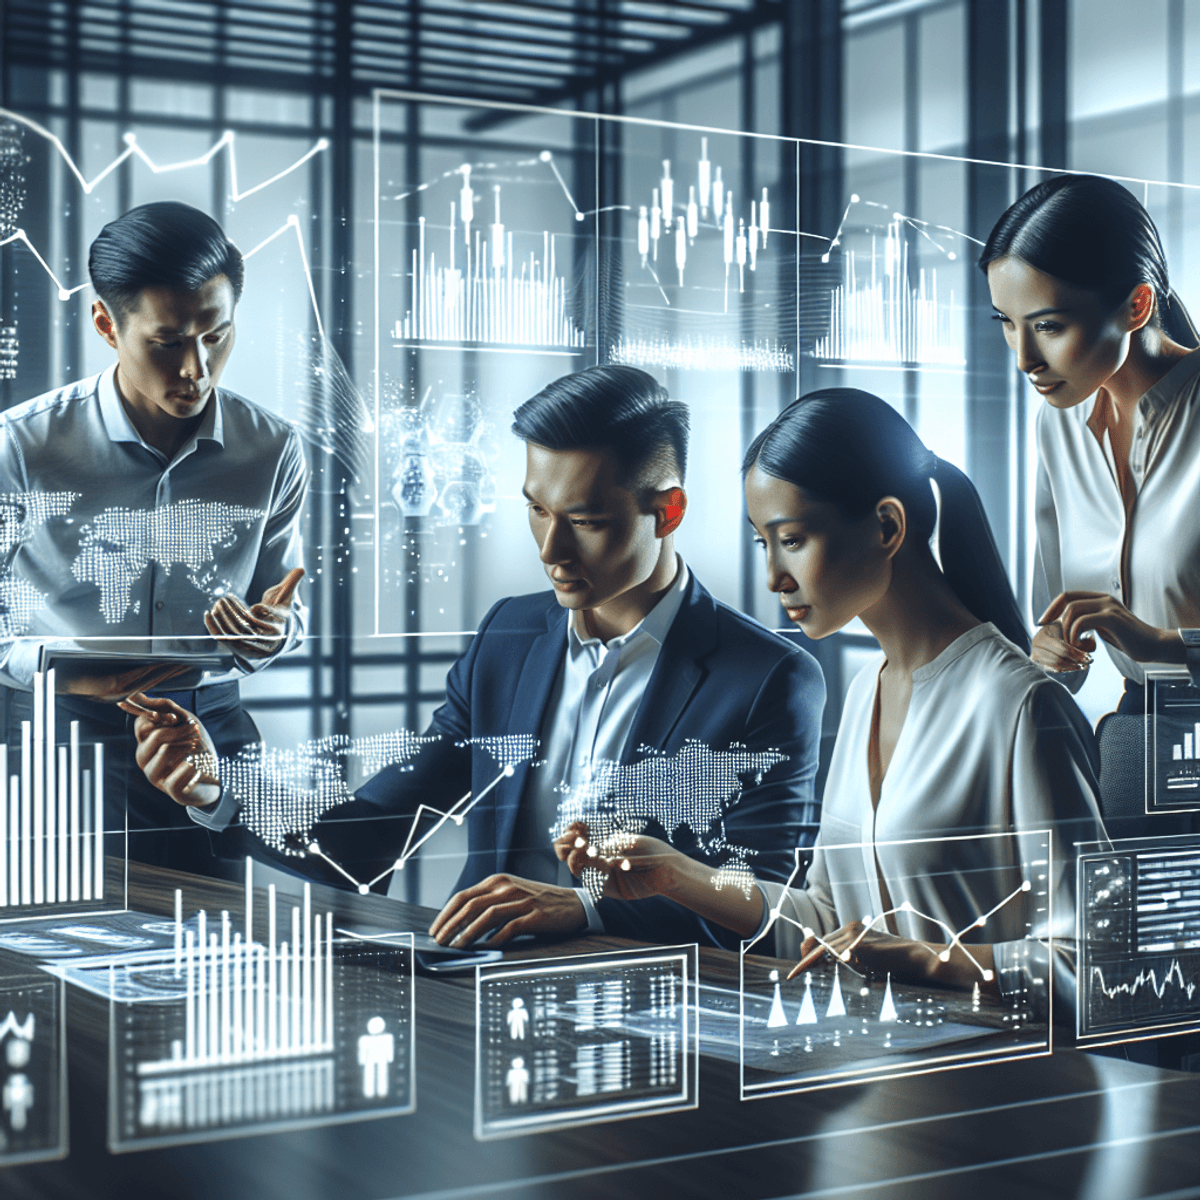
[673, 509]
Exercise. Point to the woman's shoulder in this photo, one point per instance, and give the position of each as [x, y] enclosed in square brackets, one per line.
[984, 665]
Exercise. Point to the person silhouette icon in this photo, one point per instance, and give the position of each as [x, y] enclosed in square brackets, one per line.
[517, 1018]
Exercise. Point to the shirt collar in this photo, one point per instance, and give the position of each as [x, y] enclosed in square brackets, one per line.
[655, 624]
[120, 428]
[1171, 386]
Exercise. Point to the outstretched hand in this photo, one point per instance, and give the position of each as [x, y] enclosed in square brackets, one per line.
[257, 631]
[174, 750]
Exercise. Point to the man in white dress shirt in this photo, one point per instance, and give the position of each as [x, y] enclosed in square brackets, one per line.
[644, 661]
[148, 502]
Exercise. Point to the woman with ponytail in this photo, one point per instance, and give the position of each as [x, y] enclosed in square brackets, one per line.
[951, 732]
[1079, 283]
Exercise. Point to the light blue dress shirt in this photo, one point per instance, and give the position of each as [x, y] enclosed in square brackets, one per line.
[103, 537]
[588, 721]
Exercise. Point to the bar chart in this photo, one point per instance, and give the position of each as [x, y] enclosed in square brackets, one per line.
[51, 816]
[1173, 739]
[497, 296]
[249, 1002]
[886, 309]
[260, 1020]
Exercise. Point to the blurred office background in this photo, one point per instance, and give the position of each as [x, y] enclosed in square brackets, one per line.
[908, 105]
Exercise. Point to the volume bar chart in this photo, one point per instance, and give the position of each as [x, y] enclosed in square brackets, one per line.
[496, 297]
[249, 1002]
[51, 815]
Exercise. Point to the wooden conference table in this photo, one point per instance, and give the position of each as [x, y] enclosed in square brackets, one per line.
[1067, 1125]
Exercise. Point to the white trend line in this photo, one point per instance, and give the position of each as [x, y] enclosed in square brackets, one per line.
[1144, 978]
[293, 222]
[64, 293]
[843, 956]
[132, 147]
[456, 813]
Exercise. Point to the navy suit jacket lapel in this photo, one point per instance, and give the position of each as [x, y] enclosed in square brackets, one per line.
[529, 701]
[678, 672]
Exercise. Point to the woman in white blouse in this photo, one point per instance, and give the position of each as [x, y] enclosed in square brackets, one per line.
[1079, 283]
[951, 733]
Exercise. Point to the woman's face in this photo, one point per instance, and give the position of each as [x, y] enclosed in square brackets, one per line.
[826, 568]
[1068, 341]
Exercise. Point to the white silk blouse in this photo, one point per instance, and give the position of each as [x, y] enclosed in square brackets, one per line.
[990, 745]
[1149, 561]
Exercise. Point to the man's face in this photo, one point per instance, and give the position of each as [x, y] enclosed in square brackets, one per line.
[594, 540]
[172, 348]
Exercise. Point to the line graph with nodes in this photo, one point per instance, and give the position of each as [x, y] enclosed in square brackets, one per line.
[457, 813]
[954, 937]
[798, 1035]
[227, 142]
[283, 794]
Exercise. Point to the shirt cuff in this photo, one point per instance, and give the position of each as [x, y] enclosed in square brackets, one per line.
[217, 816]
[595, 924]
[1191, 653]
[291, 639]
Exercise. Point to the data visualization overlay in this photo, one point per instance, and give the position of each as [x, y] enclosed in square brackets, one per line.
[833, 1025]
[587, 1039]
[1139, 940]
[1173, 715]
[33, 1069]
[232, 1032]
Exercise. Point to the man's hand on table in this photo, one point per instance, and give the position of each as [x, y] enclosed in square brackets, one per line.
[510, 906]
[174, 750]
[257, 631]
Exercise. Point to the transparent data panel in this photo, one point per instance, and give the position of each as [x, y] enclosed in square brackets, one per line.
[267, 1019]
[33, 1067]
[1173, 731]
[62, 845]
[834, 1026]
[582, 1040]
[1139, 939]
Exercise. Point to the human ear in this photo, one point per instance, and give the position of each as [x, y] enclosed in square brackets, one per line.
[1140, 306]
[893, 524]
[106, 327]
[669, 507]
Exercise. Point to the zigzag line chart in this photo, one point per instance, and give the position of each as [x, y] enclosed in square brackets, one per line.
[133, 150]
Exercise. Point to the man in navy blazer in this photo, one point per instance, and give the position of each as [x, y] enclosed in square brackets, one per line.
[642, 661]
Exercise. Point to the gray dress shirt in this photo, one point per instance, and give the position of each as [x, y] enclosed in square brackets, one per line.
[103, 537]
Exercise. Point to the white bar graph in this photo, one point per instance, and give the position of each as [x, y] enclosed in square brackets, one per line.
[51, 815]
[248, 1002]
[877, 315]
[1190, 749]
[497, 299]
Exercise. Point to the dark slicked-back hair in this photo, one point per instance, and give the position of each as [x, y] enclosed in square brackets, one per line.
[850, 448]
[164, 244]
[1093, 233]
[614, 408]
